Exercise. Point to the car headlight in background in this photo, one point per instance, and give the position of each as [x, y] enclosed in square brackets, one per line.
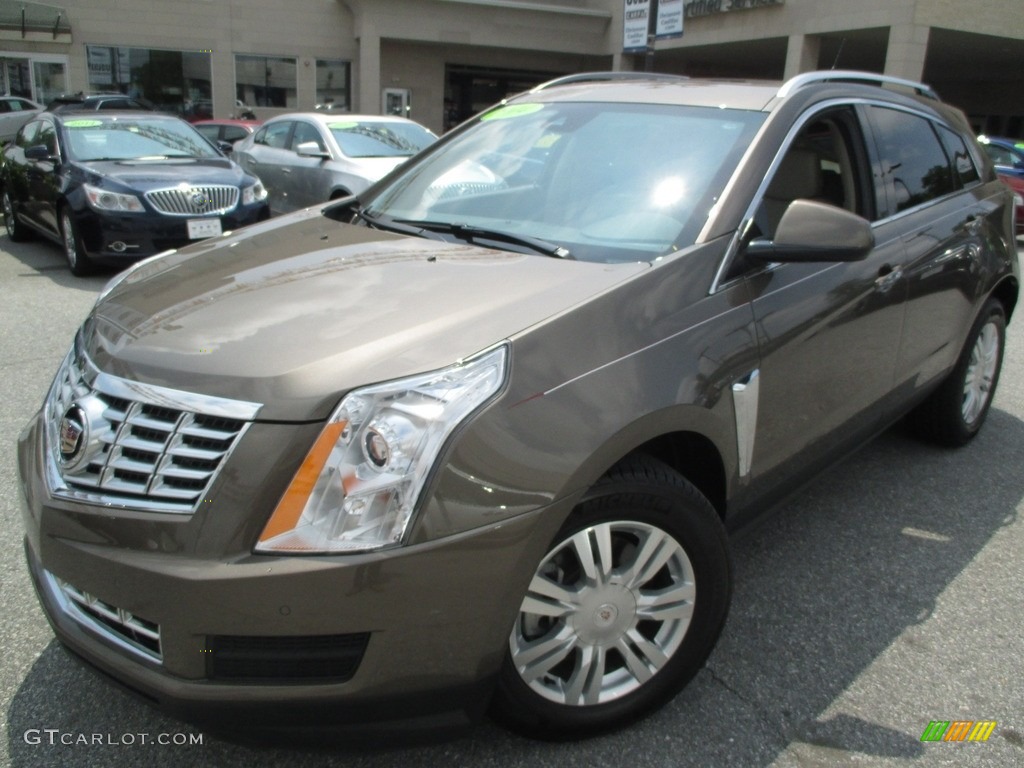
[254, 194]
[358, 485]
[103, 200]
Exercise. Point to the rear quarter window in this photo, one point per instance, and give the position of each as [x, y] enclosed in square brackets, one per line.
[913, 162]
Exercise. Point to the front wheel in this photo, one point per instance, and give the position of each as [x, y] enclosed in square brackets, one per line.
[622, 610]
[74, 252]
[955, 412]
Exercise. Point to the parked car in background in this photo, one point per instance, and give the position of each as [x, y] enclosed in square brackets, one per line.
[14, 113]
[115, 187]
[79, 102]
[307, 158]
[476, 435]
[1008, 157]
[228, 131]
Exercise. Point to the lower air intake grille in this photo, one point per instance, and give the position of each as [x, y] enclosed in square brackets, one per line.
[308, 659]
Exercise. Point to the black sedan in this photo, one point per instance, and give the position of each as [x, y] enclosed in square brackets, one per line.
[116, 187]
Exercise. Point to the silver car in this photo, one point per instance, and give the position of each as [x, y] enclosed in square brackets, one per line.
[14, 113]
[309, 157]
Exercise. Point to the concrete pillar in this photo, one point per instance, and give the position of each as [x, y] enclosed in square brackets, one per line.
[801, 54]
[368, 94]
[908, 47]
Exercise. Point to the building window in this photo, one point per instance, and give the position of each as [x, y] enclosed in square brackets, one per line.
[332, 85]
[265, 81]
[174, 81]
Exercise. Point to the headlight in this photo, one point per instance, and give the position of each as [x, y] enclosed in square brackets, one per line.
[254, 194]
[102, 200]
[358, 485]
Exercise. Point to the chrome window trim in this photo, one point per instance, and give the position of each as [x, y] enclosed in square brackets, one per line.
[719, 281]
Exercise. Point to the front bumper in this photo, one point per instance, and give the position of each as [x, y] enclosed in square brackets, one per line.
[241, 637]
[112, 237]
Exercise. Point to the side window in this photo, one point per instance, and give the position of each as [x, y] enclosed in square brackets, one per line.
[965, 172]
[275, 135]
[234, 133]
[48, 136]
[27, 135]
[825, 162]
[913, 161]
[209, 131]
[999, 155]
[305, 132]
[7, 105]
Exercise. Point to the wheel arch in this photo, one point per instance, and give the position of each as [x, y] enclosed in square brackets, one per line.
[1007, 293]
[696, 458]
[693, 450]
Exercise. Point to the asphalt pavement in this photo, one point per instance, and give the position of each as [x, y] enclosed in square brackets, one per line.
[884, 596]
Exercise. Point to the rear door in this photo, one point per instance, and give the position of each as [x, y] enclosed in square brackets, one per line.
[270, 159]
[932, 194]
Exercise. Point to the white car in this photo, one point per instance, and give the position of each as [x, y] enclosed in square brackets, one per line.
[14, 113]
[308, 158]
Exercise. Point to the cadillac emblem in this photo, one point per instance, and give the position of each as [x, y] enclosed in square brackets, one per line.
[73, 436]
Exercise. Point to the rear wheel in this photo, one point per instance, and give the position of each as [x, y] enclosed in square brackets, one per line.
[622, 610]
[17, 231]
[955, 412]
[78, 262]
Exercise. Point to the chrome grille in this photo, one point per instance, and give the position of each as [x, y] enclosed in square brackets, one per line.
[122, 627]
[185, 200]
[141, 447]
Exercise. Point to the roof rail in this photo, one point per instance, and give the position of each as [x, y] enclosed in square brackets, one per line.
[596, 77]
[842, 75]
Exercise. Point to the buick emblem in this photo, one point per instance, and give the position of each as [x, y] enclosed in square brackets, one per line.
[199, 200]
[74, 434]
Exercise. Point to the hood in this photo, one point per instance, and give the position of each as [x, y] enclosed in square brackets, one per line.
[146, 175]
[294, 312]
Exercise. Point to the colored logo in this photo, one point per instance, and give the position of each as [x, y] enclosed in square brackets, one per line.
[72, 428]
[958, 730]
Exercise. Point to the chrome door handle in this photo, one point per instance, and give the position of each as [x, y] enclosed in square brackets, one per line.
[888, 277]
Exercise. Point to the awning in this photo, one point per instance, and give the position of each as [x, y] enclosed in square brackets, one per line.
[34, 21]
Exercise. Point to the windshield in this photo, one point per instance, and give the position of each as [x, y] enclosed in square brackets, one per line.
[380, 139]
[608, 182]
[134, 138]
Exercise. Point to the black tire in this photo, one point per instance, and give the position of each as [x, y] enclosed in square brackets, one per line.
[956, 411]
[641, 502]
[78, 262]
[17, 231]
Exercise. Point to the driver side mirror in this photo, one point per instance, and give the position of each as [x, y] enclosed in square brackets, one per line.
[39, 152]
[311, 149]
[810, 231]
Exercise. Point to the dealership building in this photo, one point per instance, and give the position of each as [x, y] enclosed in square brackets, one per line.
[440, 61]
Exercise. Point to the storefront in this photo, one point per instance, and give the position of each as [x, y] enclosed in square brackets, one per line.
[439, 61]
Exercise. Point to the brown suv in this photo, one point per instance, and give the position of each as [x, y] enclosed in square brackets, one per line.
[478, 434]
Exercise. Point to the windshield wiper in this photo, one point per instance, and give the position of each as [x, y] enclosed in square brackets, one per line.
[393, 225]
[469, 233]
